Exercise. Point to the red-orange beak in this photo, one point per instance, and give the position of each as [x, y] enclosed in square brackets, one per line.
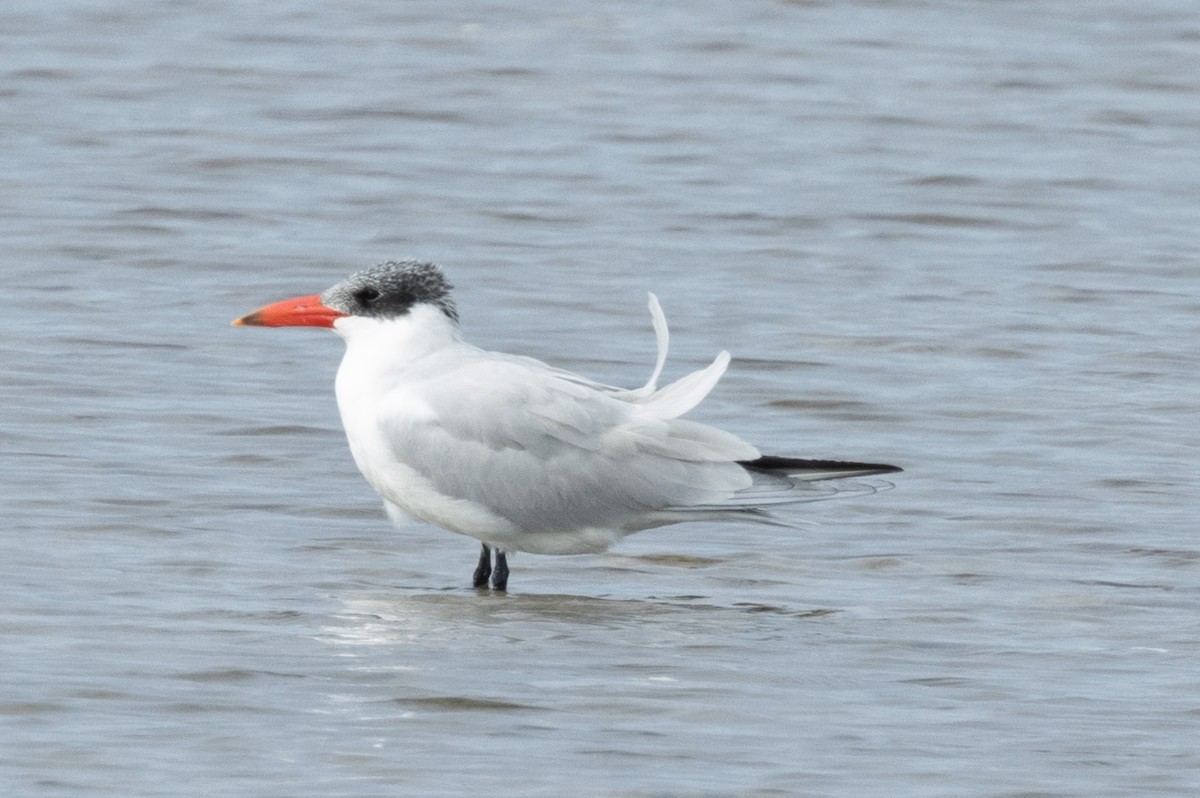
[303, 311]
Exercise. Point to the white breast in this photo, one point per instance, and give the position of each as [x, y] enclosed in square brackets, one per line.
[381, 372]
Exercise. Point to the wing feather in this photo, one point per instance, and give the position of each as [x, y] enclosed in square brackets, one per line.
[679, 397]
[550, 454]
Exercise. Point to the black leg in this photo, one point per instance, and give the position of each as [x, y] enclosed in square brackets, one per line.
[484, 569]
[500, 576]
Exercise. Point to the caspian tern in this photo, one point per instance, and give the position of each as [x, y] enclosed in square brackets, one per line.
[519, 454]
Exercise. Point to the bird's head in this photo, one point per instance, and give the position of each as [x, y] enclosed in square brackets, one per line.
[386, 291]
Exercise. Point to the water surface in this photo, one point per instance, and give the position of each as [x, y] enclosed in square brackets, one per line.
[960, 237]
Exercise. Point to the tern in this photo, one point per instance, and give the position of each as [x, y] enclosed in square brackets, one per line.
[521, 455]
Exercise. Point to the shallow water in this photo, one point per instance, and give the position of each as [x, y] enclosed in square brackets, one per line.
[960, 237]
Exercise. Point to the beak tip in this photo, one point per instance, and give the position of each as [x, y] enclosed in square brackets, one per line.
[249, 320]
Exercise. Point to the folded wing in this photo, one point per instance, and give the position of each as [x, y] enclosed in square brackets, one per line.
[550, 454]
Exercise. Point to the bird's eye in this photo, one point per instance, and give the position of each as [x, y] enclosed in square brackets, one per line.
[367, 295]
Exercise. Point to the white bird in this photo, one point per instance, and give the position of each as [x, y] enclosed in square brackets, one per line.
[519, 454]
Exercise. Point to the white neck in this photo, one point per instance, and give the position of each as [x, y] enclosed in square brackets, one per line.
[379, 351]
[401, 340]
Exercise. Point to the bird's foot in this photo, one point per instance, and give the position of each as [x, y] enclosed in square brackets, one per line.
[484, 569]
[500, 575]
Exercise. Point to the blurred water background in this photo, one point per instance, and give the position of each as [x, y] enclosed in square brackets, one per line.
[957, 236]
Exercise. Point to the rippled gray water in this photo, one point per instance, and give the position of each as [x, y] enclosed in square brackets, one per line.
[958, 236]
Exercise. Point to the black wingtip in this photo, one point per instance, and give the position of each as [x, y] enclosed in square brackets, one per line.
[795, 465]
